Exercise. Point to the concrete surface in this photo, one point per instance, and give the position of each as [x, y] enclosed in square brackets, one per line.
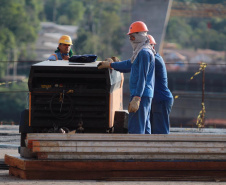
[10, 180]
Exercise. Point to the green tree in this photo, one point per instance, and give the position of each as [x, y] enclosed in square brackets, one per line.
[209, 33]
[88, 41]
[101, 32]
[179, 31]
[7, 44]
[64, 11]
[19, 23]
[197, 32]
[12, 103]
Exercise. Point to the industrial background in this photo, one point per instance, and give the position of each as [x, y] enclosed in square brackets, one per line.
[181, 63]
[191, 37]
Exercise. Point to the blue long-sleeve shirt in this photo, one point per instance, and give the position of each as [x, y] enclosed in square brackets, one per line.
[142, 73]
[52, 57]
[161, 91]
[58, 54]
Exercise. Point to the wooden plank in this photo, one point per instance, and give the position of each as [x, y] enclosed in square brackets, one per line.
[14, 161]
[128, 156]
[125, 149]
[127, 137]
[120, 175]
[17, 172]
[111, 165]
[193, 144]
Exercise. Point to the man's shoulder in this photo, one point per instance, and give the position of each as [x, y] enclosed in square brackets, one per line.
[158, 56]
[53, 56]
[159, 59]
[146, 51]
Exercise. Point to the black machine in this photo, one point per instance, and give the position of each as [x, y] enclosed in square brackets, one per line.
[67, 96]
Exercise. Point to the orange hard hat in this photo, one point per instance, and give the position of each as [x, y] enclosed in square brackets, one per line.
[65, 39]
[137, 26]
[152, 40]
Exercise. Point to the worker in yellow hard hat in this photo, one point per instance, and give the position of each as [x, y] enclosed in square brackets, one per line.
[63, 51]
[142, 75]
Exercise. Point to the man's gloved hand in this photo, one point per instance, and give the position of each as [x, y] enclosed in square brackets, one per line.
[115, 59]
[105, 64]
[134, 104]
[66, 57]
[109, 60]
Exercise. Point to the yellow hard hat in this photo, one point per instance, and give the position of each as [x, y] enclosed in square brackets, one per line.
[65, 39]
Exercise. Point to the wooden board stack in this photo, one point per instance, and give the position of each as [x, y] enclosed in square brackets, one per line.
[122, 156]
[127, 147]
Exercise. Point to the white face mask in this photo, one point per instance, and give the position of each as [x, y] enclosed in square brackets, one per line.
[140, 38]
[140, 41]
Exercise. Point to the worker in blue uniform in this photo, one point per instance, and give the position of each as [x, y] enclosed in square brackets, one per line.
[63, 51]
[162, 101]
[142, 78]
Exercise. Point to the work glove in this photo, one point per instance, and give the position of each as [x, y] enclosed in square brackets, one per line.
[134, 104]
[65, 57]
[105, 64]
[115, 59]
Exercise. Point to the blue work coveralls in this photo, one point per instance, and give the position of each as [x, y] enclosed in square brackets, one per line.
[53, 57]
[142, 80]
[162, 101]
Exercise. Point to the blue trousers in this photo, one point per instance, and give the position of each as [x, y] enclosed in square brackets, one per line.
[159, 116]
[139, 122]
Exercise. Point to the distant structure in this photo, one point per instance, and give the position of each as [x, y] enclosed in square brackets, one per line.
[190, 9]
[155, 14]
[48, 38]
